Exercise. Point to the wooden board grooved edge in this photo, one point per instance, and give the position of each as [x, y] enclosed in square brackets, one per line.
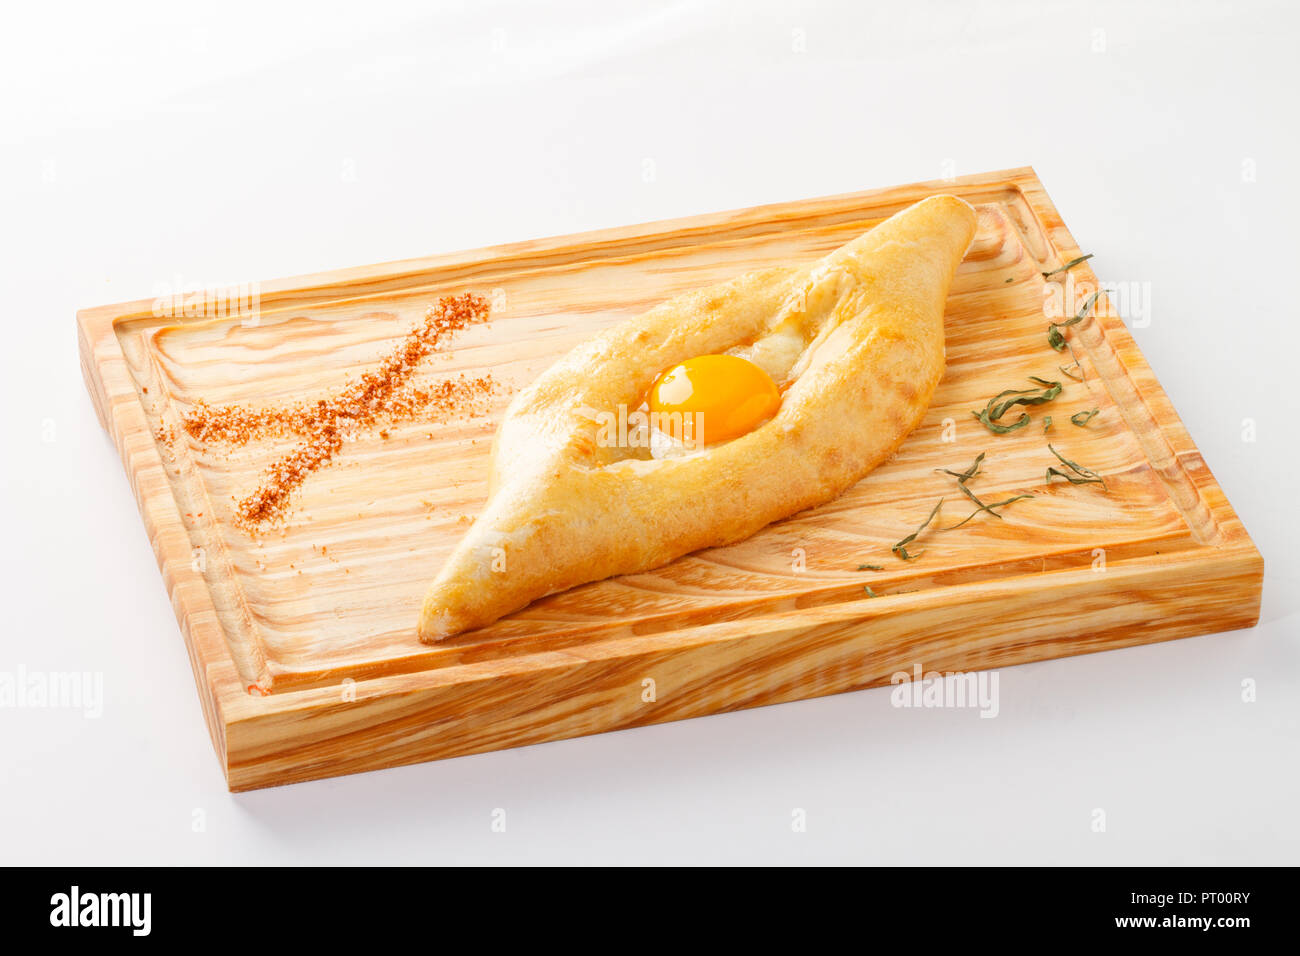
[302, 643]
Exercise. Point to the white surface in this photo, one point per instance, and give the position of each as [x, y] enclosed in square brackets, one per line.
[215, 146]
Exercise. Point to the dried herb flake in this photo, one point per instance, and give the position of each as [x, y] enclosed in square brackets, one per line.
[1068, 266]
[900, 549]
[988, 508]
[968, 474]
[1004, 401]
[1054, 336]
[1081, 476]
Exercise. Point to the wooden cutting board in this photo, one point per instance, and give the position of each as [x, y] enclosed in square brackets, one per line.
[303, 639]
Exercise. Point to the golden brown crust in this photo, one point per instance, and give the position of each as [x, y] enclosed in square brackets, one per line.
[566, 510]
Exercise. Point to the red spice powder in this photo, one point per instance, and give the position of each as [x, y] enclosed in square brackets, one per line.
[384, 394]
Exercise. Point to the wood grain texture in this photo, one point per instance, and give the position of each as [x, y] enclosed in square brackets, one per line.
[303, 639]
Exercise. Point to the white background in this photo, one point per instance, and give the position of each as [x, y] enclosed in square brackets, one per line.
[215, 142]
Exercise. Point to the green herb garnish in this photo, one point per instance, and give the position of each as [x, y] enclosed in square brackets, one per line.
[867, 588]
[1068, 266]
[1056, 472]
[1082, 376]
[965, 476]
[997, 429]
[981, 506]
[984, 507]
[871, 567]
[1047, 422]
[1003, 402]
[1082, 418]
[900, 549]
[1081, 476]
[1054, 337]
[1045, 392]
[1065, 370]
[978, 504]
[968, 474]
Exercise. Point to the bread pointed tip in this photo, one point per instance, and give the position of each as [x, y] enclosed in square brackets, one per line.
[946, 199]
[471, 591]
[461, 601]
[436, 625]
[948, 205]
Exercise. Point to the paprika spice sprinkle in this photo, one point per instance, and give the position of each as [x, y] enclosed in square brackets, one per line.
[383, 395]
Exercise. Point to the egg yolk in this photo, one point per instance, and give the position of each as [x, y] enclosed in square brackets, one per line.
[712, 398]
